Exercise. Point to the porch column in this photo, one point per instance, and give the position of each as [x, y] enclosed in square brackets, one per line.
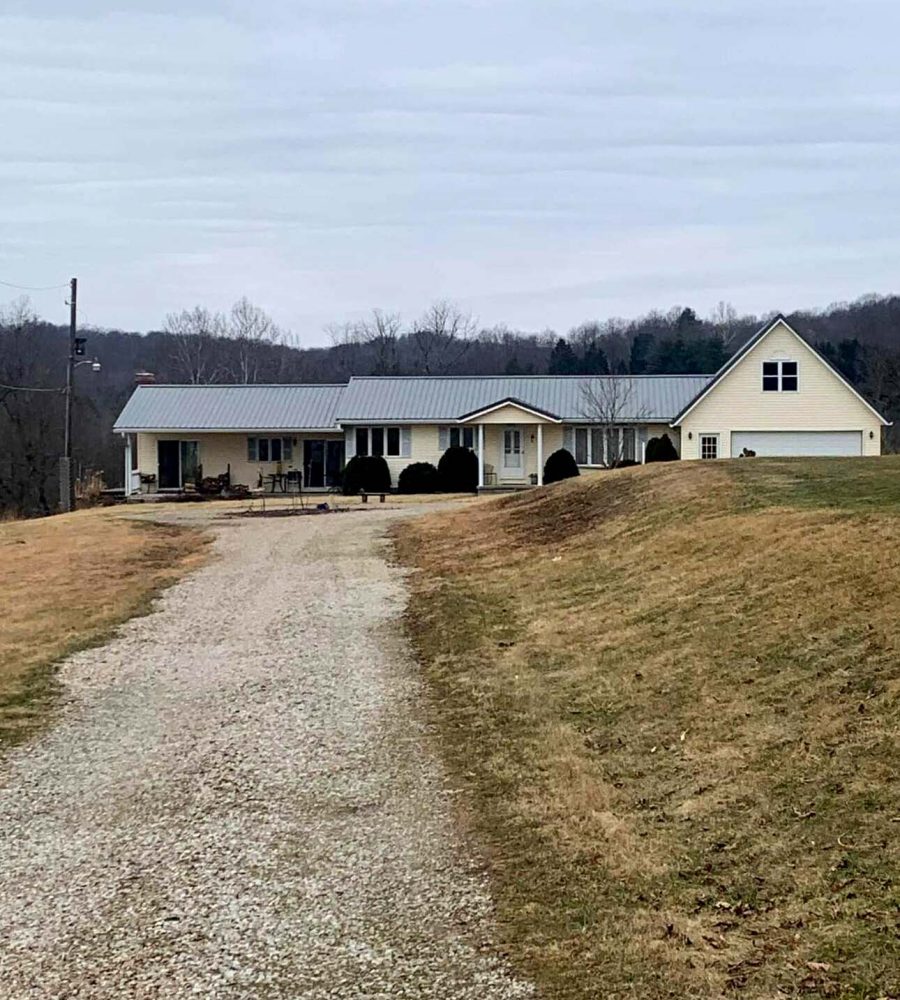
[127, 465]
[540, 454]
[481, 456]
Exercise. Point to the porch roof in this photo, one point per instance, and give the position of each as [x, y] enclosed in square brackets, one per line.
[517, 404]
[433, 399]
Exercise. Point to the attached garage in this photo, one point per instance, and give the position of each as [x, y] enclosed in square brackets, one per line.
[783, 444]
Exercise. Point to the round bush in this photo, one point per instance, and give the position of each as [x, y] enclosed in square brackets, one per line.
[458, 469]
[420, 477]
[366, 473]
[661, 449]
[560, 465]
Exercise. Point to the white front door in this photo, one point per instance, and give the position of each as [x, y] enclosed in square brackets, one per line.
[513, 453]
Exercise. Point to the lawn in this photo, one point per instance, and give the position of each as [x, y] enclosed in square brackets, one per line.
[67, 581]
[673, 695]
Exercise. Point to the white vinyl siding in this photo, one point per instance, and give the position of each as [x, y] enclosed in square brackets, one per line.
[738, 403]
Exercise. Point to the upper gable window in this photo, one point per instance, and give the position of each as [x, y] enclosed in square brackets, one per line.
[780, 376]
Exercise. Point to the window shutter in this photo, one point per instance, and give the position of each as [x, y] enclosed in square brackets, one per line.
[569, 439]
[443, 438]
[349, 442]
[251, 449]
[405, 442]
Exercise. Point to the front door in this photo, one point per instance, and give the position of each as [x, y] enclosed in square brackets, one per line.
[169, 459]
[513, 453]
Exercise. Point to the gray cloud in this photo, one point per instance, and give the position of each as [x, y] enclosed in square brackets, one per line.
[540, 162]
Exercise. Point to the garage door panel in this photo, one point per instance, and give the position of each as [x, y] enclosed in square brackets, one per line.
[786, 444]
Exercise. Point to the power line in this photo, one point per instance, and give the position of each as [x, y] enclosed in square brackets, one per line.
[34, 288]
[28, 388]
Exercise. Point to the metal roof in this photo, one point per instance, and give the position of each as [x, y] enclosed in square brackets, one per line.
[230, 407]
[379, 399]
[427, 399]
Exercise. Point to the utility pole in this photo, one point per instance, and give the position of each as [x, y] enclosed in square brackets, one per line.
[66, 479]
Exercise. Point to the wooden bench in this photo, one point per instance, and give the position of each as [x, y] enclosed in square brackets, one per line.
[365, 496]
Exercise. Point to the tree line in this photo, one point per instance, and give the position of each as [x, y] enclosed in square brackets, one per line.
[862, 339]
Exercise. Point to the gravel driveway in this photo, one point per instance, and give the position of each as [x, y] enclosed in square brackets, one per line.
[240, 799]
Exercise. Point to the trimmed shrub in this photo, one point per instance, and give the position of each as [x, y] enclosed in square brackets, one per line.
[560, 465]
[420, 477]
[458, 469]
[661, 449]
[367, 473]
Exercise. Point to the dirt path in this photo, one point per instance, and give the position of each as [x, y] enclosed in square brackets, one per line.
[240, 800]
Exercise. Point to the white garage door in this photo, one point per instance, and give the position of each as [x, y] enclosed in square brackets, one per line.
[785, 443]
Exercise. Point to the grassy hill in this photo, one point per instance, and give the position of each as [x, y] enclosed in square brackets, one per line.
[67, 582]
[673, 694]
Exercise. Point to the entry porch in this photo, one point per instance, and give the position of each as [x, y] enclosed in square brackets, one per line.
[512, 442]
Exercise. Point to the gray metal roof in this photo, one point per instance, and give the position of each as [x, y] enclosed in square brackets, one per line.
[377, 399]
[427, 399]
[230, 407]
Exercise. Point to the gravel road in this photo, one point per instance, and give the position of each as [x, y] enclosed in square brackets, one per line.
[240, 799]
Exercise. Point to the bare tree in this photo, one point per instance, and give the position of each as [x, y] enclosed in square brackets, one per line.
[346, 348]
[250, 327]
[194, 332]
[31, 377]
[380, 333]
[725, 319]
[609, 402]
[441, 337]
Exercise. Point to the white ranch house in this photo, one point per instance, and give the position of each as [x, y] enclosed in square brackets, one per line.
[777, 396]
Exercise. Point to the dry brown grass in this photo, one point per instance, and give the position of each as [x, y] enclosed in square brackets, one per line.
[66, 582]
[676, 708]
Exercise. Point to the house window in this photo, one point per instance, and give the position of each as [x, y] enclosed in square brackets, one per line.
[709, 445]
[458, 437]
[384, 441]
[582, 452]
[780, 376]
[461, 437]
[604, 445]
[596, 449]
[279, 449]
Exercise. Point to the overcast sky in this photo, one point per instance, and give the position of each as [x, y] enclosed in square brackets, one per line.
[541, 163]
